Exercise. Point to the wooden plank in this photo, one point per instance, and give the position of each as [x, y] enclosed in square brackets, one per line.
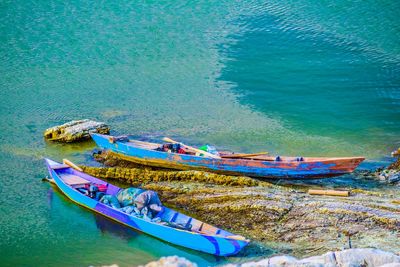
[196, 225]
[329, 192]
[60, 166]
[244, 155]
[237, 237]
[208, 229]
[144, 143]
[73, 179]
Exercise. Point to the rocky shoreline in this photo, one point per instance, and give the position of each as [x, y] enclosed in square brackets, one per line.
[283, 218]
[389, 174]
[349, 257]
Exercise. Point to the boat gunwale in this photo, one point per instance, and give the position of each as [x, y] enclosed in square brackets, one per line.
[131, 143]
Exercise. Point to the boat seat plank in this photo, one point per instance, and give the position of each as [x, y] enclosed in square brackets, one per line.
[209, 229]
[60, 166]
[196, 225]
[74, 180]
[182, 219]
[143, 144]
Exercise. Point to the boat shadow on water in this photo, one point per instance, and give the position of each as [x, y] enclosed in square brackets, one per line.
[107, 226]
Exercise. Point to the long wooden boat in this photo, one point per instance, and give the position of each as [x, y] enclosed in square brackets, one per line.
[192, 233]
[256, 166]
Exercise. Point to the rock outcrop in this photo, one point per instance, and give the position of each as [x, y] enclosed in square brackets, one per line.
[75, 131]
[283, 218]
[391, 174]
[349, 257]
[366, 257]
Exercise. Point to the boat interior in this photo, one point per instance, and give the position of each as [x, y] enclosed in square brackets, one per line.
[233, 155]
[169, 217]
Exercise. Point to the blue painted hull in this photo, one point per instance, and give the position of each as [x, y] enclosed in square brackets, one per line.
[212, 244]
[290, 168]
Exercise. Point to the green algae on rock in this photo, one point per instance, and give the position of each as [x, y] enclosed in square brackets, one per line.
[145, 176]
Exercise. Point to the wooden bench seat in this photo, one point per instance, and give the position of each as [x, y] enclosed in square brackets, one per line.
[73, 180]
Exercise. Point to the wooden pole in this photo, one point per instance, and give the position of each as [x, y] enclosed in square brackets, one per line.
[72, 165]
[244, 155]
[329, 192]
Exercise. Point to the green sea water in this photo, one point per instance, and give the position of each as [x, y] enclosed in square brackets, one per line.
[299, 78]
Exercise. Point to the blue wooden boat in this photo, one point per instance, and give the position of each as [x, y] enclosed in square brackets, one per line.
[195, 234]
[255, 166]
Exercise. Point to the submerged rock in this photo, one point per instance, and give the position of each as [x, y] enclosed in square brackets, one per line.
[75, 131]
[390, 175]
[171, 261]
[396, 153]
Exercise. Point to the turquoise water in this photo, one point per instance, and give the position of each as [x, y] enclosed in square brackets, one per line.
[300, 77]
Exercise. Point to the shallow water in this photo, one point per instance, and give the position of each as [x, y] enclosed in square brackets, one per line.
[299, 78]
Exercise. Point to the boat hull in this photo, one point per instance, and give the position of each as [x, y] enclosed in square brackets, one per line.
[205, 243]
[254, 168]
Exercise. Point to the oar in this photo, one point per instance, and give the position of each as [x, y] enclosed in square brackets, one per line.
[72, 165]
[205, 153]
[244, 155]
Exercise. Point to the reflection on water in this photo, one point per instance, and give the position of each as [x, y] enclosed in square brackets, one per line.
[106, 226]
[50, 194]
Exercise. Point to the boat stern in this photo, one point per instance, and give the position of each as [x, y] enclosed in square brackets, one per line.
[352, 163]
[236, 244]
